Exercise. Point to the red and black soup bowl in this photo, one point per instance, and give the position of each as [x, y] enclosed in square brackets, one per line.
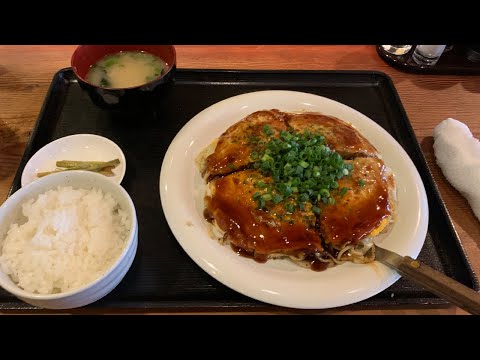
[87, 55]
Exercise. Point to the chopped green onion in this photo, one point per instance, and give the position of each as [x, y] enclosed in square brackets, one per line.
[266, 157]
[110, 62]
[261, 203]
[277, 199]
[266, 197]
[302, 167]
[267, 130]
[261, 185]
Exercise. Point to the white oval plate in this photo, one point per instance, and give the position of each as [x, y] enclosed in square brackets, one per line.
[80, 147]
[281, 282]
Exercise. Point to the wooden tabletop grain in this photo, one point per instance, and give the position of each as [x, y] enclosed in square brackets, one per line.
[26, 72]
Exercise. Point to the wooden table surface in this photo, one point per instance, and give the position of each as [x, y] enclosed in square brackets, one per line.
[26, 72]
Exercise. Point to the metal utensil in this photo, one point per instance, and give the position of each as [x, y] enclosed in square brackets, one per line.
[438, 283]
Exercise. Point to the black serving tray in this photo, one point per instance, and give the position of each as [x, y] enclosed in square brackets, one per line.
[163, 278]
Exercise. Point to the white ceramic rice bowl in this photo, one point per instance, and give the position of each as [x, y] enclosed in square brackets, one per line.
[11, 211]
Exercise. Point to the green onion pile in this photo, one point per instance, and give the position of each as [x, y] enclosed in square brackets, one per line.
[303, 169]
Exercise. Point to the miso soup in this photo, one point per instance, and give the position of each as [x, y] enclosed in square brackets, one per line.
[126, 69]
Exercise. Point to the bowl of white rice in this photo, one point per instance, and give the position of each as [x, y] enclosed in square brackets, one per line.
[66, 240]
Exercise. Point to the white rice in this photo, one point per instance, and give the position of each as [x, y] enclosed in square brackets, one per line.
[71, 238]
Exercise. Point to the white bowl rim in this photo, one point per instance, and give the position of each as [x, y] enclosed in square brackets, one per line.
[18, 292]
[63, 138]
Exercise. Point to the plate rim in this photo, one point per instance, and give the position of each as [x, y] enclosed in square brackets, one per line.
[393, 276]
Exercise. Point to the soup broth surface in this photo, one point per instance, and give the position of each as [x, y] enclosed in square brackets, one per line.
[126, 69]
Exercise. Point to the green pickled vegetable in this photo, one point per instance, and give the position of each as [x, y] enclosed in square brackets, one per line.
[101, 167]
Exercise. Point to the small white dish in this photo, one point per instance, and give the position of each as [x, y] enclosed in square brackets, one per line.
[79, 147]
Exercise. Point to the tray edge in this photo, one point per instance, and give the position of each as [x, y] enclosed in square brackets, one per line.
[28, 148]
[423, 300]
[459, 244]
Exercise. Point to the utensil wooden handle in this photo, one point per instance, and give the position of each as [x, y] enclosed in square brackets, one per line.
[440, 284]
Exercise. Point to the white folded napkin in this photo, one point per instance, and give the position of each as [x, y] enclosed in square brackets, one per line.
[458, 155]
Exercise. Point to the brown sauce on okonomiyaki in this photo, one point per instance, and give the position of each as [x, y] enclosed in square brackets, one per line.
[260, 234]
[362, 209]
[257, 230]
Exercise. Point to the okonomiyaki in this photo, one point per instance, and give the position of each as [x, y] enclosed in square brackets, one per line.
[302, 186]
